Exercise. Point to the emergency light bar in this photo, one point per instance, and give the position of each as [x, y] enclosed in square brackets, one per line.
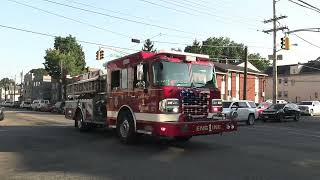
[189, 56]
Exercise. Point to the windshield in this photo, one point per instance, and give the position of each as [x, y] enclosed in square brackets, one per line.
[306, 103]
[277, 106]
[182, 74]
[226, 104]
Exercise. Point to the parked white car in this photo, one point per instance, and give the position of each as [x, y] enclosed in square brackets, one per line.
[310, 107]
[25, 105]
[246, 110]
[34, 105]
[43, 104]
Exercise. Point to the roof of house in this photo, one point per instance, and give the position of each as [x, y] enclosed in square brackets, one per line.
[221, 67]
[285, 69]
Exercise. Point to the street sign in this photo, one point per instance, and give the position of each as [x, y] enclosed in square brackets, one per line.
[279, 57]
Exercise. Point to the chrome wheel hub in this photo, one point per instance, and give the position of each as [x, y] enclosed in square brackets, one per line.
[124, 128]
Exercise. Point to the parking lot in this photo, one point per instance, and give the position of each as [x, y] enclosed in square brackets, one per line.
[36, 145]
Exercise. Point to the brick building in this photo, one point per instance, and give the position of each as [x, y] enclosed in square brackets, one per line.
[230, 81]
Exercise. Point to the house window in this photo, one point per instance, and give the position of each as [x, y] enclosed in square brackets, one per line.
[293, 82]
[279, 94]
[316, 95]
[115, 79]
[280, 81]
[286, 81]
[285, 94]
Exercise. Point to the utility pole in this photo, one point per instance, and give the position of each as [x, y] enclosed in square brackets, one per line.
[275, 70]
[61, 71]
[245, 73]
[274, 30]
[14, 89]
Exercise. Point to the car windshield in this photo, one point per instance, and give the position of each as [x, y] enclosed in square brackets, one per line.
[277, 106]
[306, 103]
[226, 104]
[182, 74]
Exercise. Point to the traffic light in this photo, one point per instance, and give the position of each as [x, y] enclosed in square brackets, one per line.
[98, 55]
[287, 43]
[101, 54]
[283, 43]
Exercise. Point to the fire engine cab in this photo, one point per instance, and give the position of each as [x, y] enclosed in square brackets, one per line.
[166, 94]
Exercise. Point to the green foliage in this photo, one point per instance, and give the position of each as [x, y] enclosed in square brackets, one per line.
[259, 62]
[38, 73]
[234, 51]
[148, 46]
[5, 82]
[67, 55]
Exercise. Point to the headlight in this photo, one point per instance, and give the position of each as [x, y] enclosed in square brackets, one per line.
[169, 105]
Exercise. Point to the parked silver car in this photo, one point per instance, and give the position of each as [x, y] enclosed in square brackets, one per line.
[245, 110]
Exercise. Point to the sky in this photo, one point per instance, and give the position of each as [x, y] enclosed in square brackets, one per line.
[178, 21]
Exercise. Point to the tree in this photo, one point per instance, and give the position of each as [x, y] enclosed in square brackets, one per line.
[65, 58]
[38, 73]
[148, 46]
[5, 82]
[67, 55]
[259, 62]
[223, 48]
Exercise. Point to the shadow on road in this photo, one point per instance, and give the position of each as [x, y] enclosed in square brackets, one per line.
[98, 152]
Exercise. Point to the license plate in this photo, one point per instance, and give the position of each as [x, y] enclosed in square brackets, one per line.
[210, 127]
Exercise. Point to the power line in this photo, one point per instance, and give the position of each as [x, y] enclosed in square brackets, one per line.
[167, 7]
[115, 17]
[220, 19]
[303, 6]
[113, 11]
[208, 9]
[306, 41]
[71, 19]
[54, 36]
[309, 5]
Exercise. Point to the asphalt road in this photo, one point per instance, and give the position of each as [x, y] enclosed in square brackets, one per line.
[41, 146]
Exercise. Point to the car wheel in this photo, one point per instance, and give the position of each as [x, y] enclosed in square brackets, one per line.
[281, 118]
[311, 112]
[80, 124]
[125, 128]
[251, 120]
[297, 116]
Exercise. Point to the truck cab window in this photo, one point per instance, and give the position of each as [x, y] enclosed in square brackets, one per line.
[145, 74]
[115, 79]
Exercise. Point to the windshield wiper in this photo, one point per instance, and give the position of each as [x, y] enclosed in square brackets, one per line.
[200, 83]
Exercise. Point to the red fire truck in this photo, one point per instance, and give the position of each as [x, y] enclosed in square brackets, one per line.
[167, 94]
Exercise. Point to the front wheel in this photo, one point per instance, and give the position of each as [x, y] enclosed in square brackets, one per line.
[125, 128]
[297, 116]
[251, 120]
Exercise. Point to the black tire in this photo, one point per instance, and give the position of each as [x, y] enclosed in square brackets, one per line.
[125, 128]
[251, 120]
[297, 117]
[281, 118]
[79, 123]
[182, 139]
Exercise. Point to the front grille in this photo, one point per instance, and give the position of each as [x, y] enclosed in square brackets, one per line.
[195, 105]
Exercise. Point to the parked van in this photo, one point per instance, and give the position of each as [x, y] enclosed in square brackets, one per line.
[34, 105]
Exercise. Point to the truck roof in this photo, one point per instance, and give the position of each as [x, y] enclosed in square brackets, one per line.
[143, 55]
